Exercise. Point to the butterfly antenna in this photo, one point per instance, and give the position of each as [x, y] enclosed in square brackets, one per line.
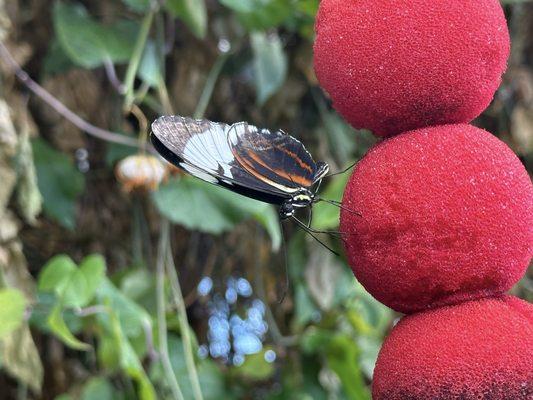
[310, 232]
[341, 172]
[339, 205]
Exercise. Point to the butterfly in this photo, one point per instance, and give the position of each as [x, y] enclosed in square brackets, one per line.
[271, 167]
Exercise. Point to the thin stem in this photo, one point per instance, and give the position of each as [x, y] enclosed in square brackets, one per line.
[135, 60]
[112, 76]
[162, 91]
[59, 107]
[210, 83]
[161, 317]
[184, 323]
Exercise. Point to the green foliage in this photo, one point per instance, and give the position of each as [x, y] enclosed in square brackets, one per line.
[59, 182]
[12, 307]
[192, 12]
[89, 43]
[150, 70]
[74, 287]
[255, 367]
[98, 389]
[138, 5]
[207, 208]
[211, 380]
[260, 14]
[270, 64]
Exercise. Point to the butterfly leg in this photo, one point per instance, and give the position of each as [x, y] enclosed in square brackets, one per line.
[310, 232]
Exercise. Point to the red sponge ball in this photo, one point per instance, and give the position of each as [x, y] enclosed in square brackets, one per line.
[477, 350]
[447, 216]
[397, 65]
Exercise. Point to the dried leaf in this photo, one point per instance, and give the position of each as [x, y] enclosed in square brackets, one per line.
[29, 197]
[321, 276]
[5, 24]
[20, 358]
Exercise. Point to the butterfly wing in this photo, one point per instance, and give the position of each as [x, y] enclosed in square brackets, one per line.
[201, 148]
[274, 157]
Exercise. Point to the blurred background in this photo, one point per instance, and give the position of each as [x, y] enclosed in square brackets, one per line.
[121, 278]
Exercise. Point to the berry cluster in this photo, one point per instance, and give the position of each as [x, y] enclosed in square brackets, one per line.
[447, 208]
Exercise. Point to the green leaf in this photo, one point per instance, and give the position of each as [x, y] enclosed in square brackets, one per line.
[192, 12]
[261, 14]
[256, 367]
[239, 208]
[12, 307]
[55, 274]
[270, 64]
[74, 286]
[57, 325]
[130, 362]
[342, 354]
[108, 352]
[186, 202]
[92, 268]
[59, 182]
[89, 43]
[150, 70]
[136, 283]
[97, 389]
[207, 208]
[133, 318]
[138, 5]
[56, 60]
[241, 6]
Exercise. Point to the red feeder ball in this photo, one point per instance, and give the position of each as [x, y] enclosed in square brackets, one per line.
[481, 349]
[446, 216]
[397, 65]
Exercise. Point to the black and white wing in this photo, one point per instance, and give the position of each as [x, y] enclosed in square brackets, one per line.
[201, 148]
[275, 158]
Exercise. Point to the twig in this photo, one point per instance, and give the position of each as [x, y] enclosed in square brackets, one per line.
[59, 107]
[135, 60]
[92, 310]
[184, 323]
[112, 76]
[161, 317]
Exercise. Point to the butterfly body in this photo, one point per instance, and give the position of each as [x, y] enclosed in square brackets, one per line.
[272, 167]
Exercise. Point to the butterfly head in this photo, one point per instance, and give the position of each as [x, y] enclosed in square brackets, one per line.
[301, 199]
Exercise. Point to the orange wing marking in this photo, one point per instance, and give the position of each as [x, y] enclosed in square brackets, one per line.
[296, 179]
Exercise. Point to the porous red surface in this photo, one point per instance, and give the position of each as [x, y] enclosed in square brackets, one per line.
[447, 216]
[397, 65]
[481, 349]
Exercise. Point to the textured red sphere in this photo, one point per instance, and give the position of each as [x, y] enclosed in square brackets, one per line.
[397, 65]
[481, 349]
[447, 216]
